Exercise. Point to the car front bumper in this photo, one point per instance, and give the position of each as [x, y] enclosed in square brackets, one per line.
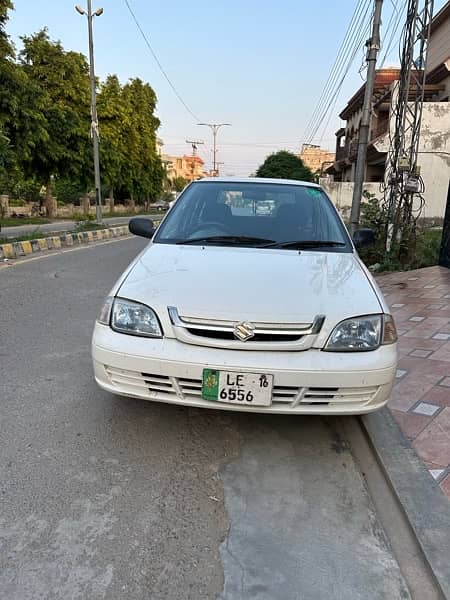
[308, 382]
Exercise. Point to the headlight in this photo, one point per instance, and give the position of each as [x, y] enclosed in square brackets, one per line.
[361, 334]
[134, 318]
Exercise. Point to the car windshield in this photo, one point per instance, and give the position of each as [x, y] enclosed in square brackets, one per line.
[266, 215]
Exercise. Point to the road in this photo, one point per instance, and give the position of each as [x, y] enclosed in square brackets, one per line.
[113, 498]
[59, 226]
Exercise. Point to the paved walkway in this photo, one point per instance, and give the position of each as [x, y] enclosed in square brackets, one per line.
[420, 403]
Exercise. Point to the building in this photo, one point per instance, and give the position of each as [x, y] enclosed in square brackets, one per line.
[434, 148]
[316, 158]
[344, 166]
[188, 167]
[438, 60]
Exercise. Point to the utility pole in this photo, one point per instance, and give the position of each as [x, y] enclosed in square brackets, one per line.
[373, 46]
[194, 144]
[94, 122]
[403, 185]
[215, 128]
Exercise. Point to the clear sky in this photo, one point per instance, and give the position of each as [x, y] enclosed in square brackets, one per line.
[257, 64]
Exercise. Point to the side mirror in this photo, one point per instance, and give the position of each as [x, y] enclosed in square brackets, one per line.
[142, 227]
[363, 237]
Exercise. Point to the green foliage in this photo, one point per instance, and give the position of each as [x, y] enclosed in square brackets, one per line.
[19, 187]
[67, 190]
[371, 212]
[45, 125]
[114, 121]
[129, 160]
[62, 80]
[6, 48]
[423, 245]
[428, 246]
[81, 217]
[178, 184]
[143, 172]
[17, 221]
[285, 165]
[88, 225]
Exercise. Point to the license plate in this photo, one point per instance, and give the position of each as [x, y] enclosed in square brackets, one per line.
[250, 389]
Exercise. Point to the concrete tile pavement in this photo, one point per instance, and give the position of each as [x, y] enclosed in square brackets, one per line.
[420, 403]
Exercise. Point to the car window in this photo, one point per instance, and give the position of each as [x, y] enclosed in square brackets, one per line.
[277, 213]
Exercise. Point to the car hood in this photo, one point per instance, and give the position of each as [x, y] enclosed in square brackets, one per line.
[239, 284]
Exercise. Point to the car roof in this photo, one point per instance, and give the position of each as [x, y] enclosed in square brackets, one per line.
[257, 180]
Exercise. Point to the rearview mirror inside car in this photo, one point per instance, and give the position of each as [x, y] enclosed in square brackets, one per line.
[363, 237]
[142, 227]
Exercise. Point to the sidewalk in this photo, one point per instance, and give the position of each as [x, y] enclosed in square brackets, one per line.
[420, 403]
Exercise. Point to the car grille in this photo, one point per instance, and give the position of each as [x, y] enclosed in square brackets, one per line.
[264, 336]
[258, 337]
[162, 387]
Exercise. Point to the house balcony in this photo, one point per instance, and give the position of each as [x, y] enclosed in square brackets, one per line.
[378, 131]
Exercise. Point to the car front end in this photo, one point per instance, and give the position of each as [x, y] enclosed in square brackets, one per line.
[248, 327]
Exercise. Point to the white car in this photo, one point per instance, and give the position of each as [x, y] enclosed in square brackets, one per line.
[239, 310]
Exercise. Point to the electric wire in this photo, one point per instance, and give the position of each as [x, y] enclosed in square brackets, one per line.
[335, 69]
[340, 63]
[330, 108]
[399, 18]
[158, 62]
[355, 42]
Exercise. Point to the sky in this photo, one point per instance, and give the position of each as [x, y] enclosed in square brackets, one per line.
[260, 65]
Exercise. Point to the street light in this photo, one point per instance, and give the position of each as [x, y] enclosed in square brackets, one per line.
[94, 122]
[215, 128]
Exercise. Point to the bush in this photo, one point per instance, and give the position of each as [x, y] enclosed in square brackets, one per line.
[67, 191]
[20, 189]
[424, 246]
[82, 217]
[285, 165]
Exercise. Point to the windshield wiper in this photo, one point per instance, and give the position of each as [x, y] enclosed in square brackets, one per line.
[234, 240]
[301, 244]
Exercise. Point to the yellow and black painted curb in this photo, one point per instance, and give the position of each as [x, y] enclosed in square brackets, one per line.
[18, 249]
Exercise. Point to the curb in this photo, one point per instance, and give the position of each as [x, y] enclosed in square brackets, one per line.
[18, 249]
[423, 503]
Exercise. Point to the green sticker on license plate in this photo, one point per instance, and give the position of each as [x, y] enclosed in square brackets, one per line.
[210, 389]
[230, 387]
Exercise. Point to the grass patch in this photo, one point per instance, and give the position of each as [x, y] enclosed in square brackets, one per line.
[88, 226]
[16, 221]
[425, 254]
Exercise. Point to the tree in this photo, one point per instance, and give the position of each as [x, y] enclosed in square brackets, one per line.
[143, 171]
[61, 78]
[45, 124]
[7, 68]
[114, 121]
[179, 183]
[20, 117]
[6, 48]
[285, 165]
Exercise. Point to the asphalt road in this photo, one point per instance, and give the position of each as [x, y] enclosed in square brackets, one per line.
[111, 498]
[58, 226]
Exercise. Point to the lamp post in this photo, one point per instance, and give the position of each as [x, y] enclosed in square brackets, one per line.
[215, 128]
[94, 122]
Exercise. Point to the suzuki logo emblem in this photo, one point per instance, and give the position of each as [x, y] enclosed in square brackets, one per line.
[244, 331]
